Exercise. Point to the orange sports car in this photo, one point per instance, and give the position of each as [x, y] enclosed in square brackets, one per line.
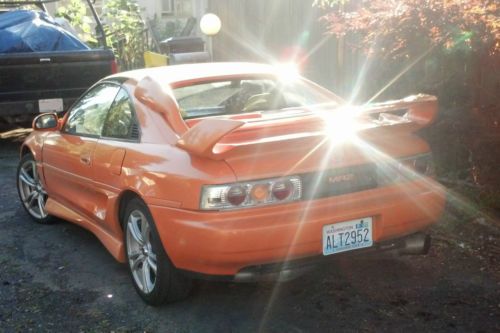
[232, 171]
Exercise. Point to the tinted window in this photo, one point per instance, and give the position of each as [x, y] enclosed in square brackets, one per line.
[120, 118]
[88, 115]
[246, 95]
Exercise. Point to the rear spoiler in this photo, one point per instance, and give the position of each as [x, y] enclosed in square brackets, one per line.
[210, 138]
[421, 110]
[201, 138]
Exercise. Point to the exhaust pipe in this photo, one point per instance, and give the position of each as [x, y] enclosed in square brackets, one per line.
[284, 275]
[416, 244]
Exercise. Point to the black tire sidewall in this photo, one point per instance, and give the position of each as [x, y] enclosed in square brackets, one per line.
[166, 272]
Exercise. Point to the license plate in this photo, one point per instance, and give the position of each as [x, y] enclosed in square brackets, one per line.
[50, 105]
[347, 236]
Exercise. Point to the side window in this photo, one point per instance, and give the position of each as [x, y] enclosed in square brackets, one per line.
[88, 115]
[120, 120]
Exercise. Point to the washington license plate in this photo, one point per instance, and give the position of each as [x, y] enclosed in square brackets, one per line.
[347, 236]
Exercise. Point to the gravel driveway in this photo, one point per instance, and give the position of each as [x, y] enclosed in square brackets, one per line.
[59, 278]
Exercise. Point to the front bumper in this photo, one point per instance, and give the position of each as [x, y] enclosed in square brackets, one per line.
[226, 243]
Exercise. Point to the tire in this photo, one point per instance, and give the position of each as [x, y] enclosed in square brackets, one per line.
[144, 252]
[31, 192]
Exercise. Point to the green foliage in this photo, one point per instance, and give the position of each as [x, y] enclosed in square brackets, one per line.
[123, 26]
[76, 14]
[125, 32]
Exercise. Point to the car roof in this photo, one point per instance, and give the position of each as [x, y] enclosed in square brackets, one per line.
[187, 72]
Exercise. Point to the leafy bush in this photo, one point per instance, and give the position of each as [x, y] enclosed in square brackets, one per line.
[124, 27]
[76, 14]
[125, 31]
[454, 43]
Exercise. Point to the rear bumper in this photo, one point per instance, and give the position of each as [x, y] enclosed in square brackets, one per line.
[226, 243]
[290, 269]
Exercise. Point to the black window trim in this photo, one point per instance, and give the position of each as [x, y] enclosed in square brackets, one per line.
[78, 100]
[134, 120]
[119, 84]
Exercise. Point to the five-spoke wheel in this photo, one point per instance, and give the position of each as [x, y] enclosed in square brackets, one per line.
[141, 257]
[154, 276]
[31, 191]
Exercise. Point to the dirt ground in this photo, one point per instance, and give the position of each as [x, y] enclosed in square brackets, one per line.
[59, 278]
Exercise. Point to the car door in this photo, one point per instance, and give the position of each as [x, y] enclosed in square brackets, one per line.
[120, 133]
[68, 154]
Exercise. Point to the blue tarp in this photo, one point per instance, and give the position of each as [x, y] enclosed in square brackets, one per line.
[34, 31]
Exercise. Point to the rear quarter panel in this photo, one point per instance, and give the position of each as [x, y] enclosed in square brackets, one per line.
[168, 176]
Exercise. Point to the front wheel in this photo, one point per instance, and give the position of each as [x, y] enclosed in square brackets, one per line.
[31, 191]
[154, 276]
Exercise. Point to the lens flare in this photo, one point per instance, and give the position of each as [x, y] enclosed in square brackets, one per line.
[287, 72]
[342, 125]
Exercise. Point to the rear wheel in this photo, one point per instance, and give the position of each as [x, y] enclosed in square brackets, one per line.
[154, 276]
[31, 191]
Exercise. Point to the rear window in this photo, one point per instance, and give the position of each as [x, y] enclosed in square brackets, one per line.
[247, 95]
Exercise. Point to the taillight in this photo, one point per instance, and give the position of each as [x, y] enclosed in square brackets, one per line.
[282, 189]
[405, 169]
[250, 194]
[236, 195]
[260, 192]
[114, 67]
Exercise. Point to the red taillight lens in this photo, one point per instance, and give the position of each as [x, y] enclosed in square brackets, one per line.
[236, 195]
[251, 194]
[282, 189]
[114, 67]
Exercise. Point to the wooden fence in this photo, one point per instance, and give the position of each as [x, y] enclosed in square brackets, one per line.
[269, 30]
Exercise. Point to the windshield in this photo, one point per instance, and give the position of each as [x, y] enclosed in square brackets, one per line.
[247, 95]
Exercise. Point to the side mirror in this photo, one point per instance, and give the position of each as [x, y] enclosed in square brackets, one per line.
[46, 122]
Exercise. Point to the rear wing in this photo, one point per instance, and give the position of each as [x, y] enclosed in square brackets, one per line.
[202, 138]
[214, 137]
[421, 110]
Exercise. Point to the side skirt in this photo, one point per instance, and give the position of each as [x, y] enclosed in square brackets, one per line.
[114, 245]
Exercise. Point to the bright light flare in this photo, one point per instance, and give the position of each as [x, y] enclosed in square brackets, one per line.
[287, 72]
[341, 125]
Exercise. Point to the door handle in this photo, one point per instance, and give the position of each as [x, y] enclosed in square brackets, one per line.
[85, 160]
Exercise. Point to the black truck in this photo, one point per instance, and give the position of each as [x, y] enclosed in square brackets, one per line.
[48, 81]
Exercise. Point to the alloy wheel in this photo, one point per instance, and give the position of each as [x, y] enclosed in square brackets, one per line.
[31, 190]
[141, 257]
